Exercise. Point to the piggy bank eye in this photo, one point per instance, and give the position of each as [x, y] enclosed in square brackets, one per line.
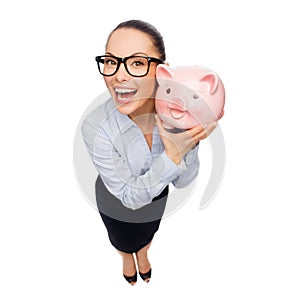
[168, 90]
[196, 96]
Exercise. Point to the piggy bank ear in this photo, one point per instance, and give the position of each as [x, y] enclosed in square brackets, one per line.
[212, 80]
[163, 72]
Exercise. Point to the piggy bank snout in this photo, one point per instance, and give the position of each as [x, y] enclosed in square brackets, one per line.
[176, 103]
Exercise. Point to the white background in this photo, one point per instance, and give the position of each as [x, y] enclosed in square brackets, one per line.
[244, 245]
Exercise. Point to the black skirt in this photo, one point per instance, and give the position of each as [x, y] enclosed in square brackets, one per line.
[129, 230]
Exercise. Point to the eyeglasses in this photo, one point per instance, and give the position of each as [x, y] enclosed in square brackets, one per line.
[136, 66]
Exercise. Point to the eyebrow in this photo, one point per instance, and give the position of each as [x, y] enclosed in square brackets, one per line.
[133, 54]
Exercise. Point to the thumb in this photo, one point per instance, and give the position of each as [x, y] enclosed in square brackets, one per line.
[158, 123]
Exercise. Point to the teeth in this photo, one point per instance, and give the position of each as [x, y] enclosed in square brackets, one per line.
[123, 91]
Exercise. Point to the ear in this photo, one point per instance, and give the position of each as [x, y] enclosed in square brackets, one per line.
[212, 80]
[163, 72]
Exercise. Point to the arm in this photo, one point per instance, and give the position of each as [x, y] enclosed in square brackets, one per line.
[133, 191]
[191, 169]
[182, 148]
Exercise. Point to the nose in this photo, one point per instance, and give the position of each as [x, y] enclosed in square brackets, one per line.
[176, 103]
[122, 74]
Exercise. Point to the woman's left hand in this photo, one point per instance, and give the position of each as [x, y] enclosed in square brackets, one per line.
[207, 130]
[178, 144]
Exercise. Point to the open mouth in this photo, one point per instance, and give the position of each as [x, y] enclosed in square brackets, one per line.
[124, 95]
[177, 113]
[177, 109]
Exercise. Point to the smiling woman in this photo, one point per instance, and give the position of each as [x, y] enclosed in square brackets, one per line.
[140, 91]
[136, 158]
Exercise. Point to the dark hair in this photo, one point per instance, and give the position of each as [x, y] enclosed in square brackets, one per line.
[148, 29]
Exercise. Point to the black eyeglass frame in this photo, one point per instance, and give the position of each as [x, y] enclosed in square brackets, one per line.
[100, 59]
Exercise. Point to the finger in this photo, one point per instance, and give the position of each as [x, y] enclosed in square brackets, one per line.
[201, 136]
[159, 125]
[157, 120]
[208, 130]
[211, 127]
[196, 130]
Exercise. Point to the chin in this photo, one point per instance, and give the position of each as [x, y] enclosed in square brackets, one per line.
[124, 109]
[127, 108]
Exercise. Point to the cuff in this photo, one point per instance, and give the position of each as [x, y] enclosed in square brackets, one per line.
[191, 156]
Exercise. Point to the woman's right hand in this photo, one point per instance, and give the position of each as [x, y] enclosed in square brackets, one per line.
[178, 144]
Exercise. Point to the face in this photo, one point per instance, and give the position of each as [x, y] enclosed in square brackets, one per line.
[131, 94]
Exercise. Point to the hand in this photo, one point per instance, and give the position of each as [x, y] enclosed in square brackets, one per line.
[178, 144]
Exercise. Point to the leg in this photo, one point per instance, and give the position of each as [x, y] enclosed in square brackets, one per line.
[143, 262]
[129, 268]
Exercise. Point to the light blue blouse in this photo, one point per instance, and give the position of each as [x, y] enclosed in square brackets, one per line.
[129, 169]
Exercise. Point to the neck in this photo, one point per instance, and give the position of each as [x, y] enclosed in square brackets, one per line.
[144, 116]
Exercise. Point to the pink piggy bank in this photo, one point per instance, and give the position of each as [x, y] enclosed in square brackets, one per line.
[188, 96]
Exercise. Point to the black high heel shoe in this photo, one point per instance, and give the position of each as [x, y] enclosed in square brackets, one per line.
[146, 276]
[131, 279]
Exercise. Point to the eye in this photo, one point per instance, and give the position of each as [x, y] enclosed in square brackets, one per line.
[168, 90]
[195, 96]
[138, 63]
[110, 62]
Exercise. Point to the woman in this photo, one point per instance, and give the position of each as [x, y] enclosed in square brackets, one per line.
[135, 156]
